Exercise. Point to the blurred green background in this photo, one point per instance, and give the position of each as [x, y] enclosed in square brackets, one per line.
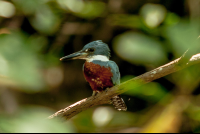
[142, 35]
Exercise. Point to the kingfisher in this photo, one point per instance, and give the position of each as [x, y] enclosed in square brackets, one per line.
[100, 72]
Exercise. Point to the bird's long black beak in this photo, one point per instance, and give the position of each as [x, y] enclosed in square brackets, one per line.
[77, 55]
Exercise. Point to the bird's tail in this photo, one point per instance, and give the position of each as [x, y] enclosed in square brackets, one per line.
[119, 104]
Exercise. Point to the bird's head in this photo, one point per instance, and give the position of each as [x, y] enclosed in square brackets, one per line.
[96, 50]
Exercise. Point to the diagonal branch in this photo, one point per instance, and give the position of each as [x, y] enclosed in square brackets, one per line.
[104, 97]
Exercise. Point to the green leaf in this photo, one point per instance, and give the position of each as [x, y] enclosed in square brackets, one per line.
[33, 120]
[29, 6]
[152, 92]
[19, 61]
[183, 35]
[125, 20]
[45, 21]
[137, 48]
[153, 14]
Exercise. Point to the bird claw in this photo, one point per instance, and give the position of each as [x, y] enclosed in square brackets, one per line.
[94, 93]
[106, 90]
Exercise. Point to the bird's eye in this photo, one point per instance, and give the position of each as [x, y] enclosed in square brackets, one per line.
[90, 50]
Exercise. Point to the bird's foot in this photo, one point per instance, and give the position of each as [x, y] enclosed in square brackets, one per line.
[94, 93]
[106, 89]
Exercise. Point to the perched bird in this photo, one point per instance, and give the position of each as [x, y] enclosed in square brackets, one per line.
[98, 70]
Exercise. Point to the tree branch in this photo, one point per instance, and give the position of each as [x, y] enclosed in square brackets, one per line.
[105, 96]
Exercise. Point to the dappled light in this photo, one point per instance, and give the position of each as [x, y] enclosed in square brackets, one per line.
[133, 47]
[7, 9]
[102, 116]
[31, 119]
[144, 38]
[153, 14]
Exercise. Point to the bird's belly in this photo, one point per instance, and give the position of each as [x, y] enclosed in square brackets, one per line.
[99, 77]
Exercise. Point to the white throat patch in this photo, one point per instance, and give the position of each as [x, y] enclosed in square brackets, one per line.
[97, 57]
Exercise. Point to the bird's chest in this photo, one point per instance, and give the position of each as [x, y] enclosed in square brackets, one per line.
[98, 76]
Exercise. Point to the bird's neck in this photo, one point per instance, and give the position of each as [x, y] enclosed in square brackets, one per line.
[97, 57]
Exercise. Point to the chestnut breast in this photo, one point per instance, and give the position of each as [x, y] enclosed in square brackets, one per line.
[98, 76]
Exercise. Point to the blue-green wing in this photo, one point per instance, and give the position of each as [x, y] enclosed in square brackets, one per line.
[115, 71]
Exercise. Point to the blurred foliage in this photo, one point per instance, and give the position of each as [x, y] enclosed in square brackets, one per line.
[33, 120]
[142, 35]
[83, 9]
[183, 33]
[20, 58]
[133, 47]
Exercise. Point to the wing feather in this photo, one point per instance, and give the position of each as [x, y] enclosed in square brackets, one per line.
[115, 71]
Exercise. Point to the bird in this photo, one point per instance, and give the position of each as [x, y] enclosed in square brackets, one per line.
[100, 72]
